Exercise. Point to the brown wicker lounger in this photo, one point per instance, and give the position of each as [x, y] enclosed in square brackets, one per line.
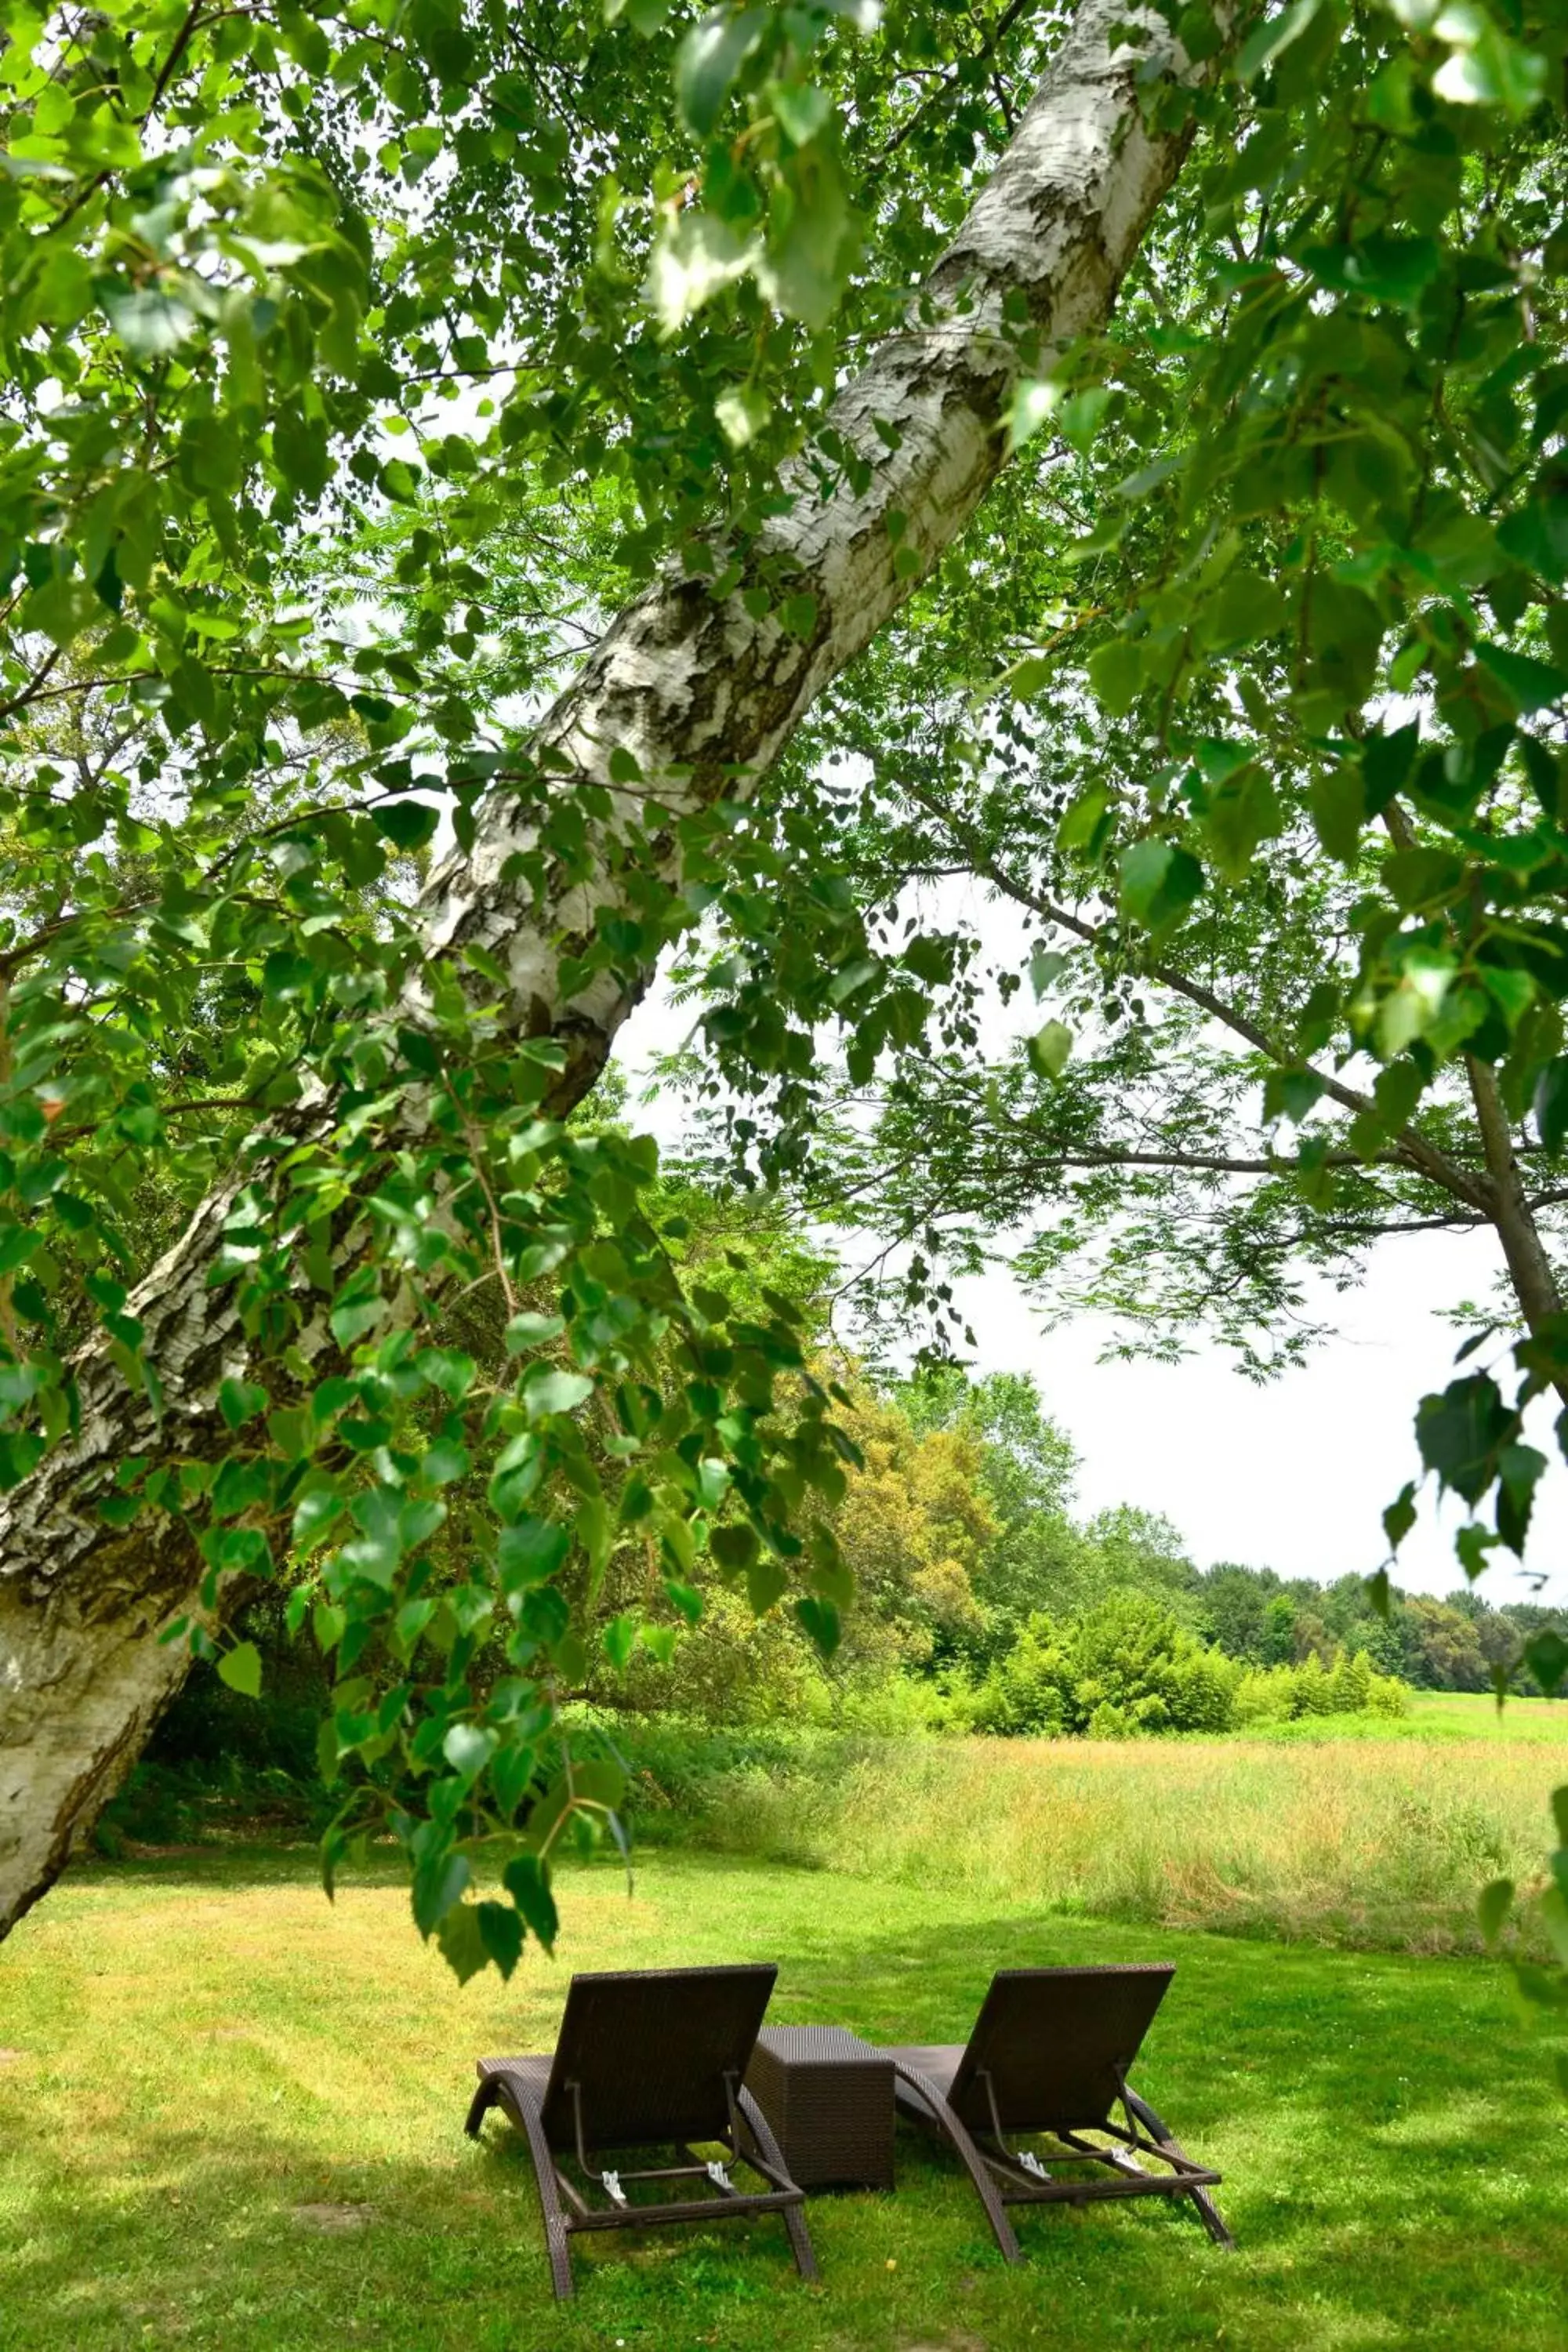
[1050, 2053]
[652, 2058]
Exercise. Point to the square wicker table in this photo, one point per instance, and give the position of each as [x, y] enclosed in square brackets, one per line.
[829, 2098]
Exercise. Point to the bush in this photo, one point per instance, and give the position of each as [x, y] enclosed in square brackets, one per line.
[1130, 1668]
[1290, 1693]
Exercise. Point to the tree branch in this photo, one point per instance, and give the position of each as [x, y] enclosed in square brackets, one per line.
[1414, 1149]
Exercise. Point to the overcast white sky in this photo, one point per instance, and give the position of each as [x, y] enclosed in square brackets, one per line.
[1292, 1476]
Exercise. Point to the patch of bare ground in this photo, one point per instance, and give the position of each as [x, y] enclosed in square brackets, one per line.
[334, 2221]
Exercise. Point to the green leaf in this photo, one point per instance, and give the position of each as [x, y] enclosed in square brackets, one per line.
[734, 1547]
[1492, 1907]
[314, 1513]
[461, 1934]
[525, 1331]
[447, 1459]
[240, 1668]
[1248, 609]
[1400, 1516]
[527, 1881]
[1519, 1469]
[619, 1639]
[438, 1883]
[353, 1318]
[1269, 39]
[1486, 68]
[708, 60]
[1082, 819]
[513, 1770]
[1385, 764]
[1048, 1050]
[1116, 673]
[1551, 1104]
[820, 1619]
[502, 1933]
[448, 1370]
[407, 825]
[741, 411]
[390, 1526]
[1530, 685]
[1159, 883]
[546, 1389]
[1546, 1655]
[468, 1748]
[530, 1552]
[804, 111]
[1379, 267]
[150, 321]
[1243, 814]
[767, 1583]
[328, 1623]
[1032, 405]
[401, 482]
[1459, 1432]
[240, 1401]
[419, 1050]
[693, 259]
[1422, 877]
[684, 1597]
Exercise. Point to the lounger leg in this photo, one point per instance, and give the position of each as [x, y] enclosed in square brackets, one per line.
[979, 2170]
[1210, 2216]
[483, 2100]
[524, 2109]
[1165, 2139]
[794, 2215]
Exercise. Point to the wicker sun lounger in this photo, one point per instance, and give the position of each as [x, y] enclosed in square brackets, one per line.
[1049, 2053]
[650, 2059]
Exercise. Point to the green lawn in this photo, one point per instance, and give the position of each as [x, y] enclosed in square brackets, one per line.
[198, 2048]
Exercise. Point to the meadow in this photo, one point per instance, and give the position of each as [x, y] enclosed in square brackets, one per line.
[1343, 1830]
[232, 2113]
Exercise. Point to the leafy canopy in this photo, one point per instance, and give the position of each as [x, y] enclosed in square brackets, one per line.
[357, 361]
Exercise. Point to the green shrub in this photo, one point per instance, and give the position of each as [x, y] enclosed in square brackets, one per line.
[1290, 1693]
[1131, 1668]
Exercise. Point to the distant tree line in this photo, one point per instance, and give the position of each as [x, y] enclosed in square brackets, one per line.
[1042, 1559]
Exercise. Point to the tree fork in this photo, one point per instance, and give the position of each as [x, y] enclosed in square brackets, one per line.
[704, 697]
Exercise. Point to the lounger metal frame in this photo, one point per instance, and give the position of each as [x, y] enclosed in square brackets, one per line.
[712, 2014]
[1002, 2174]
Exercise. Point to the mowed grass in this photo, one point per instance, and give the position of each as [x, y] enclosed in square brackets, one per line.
[1370, 1843]
[201, 2056]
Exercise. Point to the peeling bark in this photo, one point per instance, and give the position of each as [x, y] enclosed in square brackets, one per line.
[704, 697]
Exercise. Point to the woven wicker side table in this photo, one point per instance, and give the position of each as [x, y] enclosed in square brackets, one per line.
[829, 2098]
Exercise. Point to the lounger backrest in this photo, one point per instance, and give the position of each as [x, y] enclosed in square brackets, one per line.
[1053, 2041]
[648, 2050]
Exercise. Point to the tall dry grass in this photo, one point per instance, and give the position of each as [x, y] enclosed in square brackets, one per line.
[1372, 1843]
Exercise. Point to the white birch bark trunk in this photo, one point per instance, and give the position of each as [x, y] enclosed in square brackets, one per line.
[685, 684]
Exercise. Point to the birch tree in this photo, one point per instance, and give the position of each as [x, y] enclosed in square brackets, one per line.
[227, 311]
